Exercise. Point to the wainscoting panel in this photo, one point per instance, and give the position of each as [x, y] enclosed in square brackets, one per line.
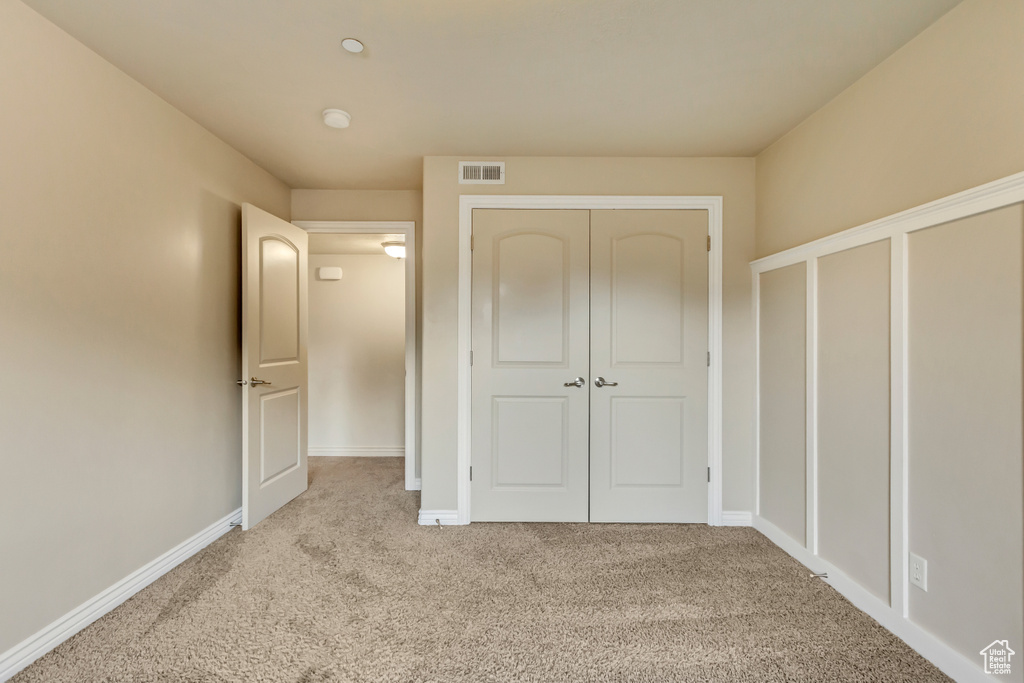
[913, 417]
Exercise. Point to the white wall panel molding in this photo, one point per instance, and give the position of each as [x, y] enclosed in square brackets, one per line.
[37, 645]
[811, 423]
[899, 439]
[998, 193]
[711, 204]
[755, 281]
[895, 228]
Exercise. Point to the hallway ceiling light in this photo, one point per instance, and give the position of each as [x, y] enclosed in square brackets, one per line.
[336, 118]
[352, 45]
[394, 249]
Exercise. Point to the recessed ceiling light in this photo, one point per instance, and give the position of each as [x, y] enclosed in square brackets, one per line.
[336, 118]
[352, 45]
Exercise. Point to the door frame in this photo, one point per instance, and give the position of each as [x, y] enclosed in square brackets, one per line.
[711, 204]
[407, 228]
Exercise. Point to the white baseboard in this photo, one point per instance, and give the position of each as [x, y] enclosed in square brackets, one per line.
[35, 646]
[417, 485]
[446, 517]
[360, 452]
[451, 517]
[736, 518]
[948, 660]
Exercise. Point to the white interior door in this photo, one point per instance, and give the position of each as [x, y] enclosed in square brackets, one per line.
[530, 343]
[649, 342]
[274, 325]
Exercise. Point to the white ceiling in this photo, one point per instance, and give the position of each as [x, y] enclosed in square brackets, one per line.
[333, 243]
[491, 77]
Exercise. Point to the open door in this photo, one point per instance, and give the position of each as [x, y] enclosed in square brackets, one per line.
[274, 370]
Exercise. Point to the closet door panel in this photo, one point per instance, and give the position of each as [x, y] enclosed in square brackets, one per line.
[648, 335]
[531, 308]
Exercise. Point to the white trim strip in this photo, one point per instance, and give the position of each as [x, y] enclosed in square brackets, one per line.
[446, 517]
[899, 443]
[811, 405]
[35, 646]
[711, 204]
[357, 452]
[948, 660]
[412, 371]
[737, 518]
[716, 297]
[756, 287]
[998, 193]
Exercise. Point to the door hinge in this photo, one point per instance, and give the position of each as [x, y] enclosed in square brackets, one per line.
[709, 242]
[709, 359]
[709, 474]
[470, 359]
[472, 242]
[471, 473]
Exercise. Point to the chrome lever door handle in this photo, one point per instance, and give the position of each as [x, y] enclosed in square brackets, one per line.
[602, 382]
[241, 382]
[253, 381]
[578, 382]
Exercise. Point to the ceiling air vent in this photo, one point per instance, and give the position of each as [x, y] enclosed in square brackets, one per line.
[481, 172]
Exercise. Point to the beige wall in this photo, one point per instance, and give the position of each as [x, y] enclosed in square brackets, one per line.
[357, 205]
[731, 178]
[853, 413]
[783, 387]
[119, 233]
[941, 115]
[965, 421]
[356, 353]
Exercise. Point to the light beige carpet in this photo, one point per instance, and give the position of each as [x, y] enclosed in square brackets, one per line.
[342, 585]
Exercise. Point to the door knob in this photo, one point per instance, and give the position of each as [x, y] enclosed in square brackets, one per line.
[578, 382]
[253, 381]
[602, 382]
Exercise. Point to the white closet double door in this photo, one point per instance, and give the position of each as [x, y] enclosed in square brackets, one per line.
[590, 334]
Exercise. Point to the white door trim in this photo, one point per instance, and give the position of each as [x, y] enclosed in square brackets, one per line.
[407, 228]
[711, 204]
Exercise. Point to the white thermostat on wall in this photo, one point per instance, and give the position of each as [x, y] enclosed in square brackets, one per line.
[329, 272]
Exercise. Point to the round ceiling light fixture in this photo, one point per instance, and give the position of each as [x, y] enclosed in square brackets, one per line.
[352, 45]
[394, 249]
[336, 118]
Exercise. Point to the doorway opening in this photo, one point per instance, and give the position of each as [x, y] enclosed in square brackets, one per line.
[362, 347]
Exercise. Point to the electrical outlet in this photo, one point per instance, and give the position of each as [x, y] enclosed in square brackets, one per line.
[919, 571]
